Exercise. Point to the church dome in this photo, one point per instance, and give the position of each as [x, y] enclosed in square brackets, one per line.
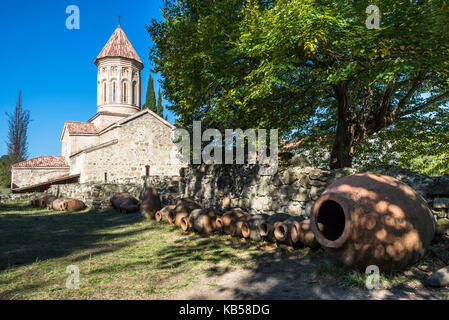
[119, 46]
[119, 76]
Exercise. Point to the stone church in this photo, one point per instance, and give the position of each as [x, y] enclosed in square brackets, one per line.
[120, 142]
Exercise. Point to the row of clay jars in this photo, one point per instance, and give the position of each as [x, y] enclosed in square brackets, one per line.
[53, 203]
[190, 216]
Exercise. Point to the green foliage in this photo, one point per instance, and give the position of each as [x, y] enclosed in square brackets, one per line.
[420, 146]
[150, 101]
[424, 147]
[5, 174]
[308, 67]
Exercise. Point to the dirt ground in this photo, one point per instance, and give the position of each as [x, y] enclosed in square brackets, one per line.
[285, 278]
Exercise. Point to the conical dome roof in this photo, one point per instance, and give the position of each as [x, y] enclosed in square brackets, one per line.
[119, 46]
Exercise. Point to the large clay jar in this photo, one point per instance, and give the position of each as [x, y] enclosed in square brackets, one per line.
[369, 219]
[282, 230]
[42, 200]
[48, 202]
[242, 224]
[301, 233]
[227, 222]
[57, 204]
[162, 215]
[114, 201]
[74, 205]
[182, 209]
[203, 221]
[151, 203]
[266, 228]
[252, 229]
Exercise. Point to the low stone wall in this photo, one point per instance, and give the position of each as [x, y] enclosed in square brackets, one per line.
[97, 195]
[293, 190]
[168, 187]
[94, 195]
[7, 197]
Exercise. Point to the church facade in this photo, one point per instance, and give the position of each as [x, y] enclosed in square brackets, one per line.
[120, 142]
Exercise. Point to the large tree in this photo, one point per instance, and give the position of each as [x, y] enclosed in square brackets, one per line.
[150, 101]
[18, 122]
[311, 68]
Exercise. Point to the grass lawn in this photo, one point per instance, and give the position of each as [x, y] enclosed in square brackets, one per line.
[119, 256]
[125, 257]
[4, 190]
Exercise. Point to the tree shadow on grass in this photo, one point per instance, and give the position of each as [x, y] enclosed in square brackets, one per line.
[38, 234]
[298, 279]
[284, 276]
[212, 250]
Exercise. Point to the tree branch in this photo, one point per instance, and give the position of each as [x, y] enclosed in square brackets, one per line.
[381, 119]
[416, 84]
[428, 103]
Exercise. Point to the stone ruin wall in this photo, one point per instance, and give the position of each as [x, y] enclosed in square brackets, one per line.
[292, 190]
[97, 195]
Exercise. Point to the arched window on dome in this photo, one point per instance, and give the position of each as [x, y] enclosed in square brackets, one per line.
[125, 92]
[104, 92]
[114, 92]
[134, 93]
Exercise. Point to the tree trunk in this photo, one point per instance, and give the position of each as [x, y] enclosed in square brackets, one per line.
[342, 150]
[345, 137]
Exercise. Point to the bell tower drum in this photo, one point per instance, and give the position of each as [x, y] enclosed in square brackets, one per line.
[118, 81]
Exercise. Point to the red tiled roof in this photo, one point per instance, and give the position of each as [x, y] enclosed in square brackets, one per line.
[119, 46]
[53, 162]
[81, 127]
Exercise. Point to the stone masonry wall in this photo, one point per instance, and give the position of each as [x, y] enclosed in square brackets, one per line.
[8, 197]
[97, 195]
[292, 190]
[144, 141]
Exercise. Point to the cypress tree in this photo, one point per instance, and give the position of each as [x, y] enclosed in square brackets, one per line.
[160, 107]
[18, 122]
[150, 101]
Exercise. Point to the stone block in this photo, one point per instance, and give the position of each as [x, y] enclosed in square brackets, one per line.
[442, 226]
[300, 194]
[441, 203]
[260, 203]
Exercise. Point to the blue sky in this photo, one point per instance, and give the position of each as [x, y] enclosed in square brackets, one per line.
[55, 67]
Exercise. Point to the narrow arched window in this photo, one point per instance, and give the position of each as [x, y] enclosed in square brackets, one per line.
[113, 92]
[104, 92]
[125, 92]
[134, 93]
[147, 171]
